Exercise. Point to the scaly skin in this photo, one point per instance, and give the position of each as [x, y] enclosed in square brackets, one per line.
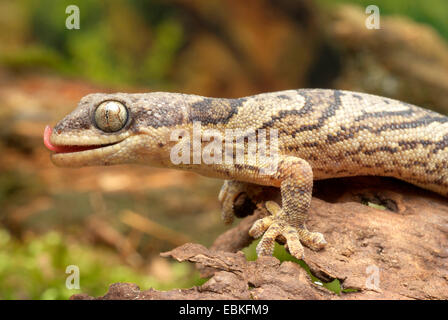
[322, 134]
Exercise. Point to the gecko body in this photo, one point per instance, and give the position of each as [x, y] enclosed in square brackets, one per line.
[321, 134]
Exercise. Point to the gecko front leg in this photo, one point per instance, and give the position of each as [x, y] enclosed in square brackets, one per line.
[294, 176]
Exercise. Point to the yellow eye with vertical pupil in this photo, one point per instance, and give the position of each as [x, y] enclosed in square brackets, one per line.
[111, 116]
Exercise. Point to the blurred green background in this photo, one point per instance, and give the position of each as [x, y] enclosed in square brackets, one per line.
[113, 222]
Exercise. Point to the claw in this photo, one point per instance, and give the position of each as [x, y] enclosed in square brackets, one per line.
[274, 226]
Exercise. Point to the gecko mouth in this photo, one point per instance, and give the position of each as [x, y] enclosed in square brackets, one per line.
[65, 154]
[57, 148]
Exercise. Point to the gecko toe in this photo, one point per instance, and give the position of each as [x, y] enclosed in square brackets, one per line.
[293, 242]
[313, 240]
[260, 226]
[227, 197]
[275, 226]
[266, 245]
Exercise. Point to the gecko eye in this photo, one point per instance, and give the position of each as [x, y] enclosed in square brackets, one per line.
[111, 116]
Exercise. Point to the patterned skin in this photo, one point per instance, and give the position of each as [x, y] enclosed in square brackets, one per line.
[321, 134]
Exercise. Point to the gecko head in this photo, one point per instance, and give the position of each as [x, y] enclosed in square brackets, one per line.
[114, 128]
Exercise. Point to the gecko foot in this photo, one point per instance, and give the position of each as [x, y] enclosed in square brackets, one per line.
[229, 192]
[274, 226]
[237, 199]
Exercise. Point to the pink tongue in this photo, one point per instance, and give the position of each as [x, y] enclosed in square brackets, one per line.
[61, 149]
[47, 143]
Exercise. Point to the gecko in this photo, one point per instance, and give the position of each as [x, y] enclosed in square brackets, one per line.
[320, 134]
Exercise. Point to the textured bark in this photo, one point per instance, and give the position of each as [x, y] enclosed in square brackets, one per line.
[406, 243]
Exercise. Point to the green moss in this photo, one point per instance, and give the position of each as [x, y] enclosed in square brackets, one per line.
[376, 206]
[281, 254]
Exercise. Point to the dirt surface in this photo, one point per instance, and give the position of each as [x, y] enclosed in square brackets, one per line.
[394, 248]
